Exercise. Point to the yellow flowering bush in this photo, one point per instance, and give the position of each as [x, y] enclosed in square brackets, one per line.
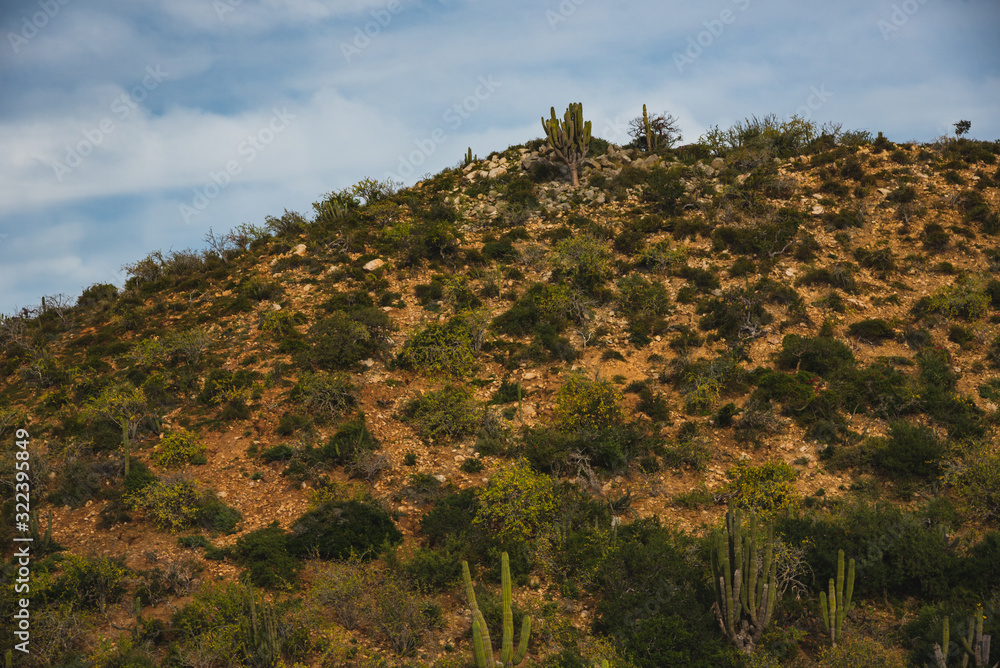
[180, 448]
[589, 404]
[516, 502]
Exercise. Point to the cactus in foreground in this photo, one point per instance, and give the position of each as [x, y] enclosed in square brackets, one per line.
[745, 588]
[570, 137]
[262, 645]
[9, 659]
[836, 607]
[974, 644]
[481, 644]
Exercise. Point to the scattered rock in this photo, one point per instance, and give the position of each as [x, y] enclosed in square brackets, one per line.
[374, 264]
[300, 250]
[718, 164]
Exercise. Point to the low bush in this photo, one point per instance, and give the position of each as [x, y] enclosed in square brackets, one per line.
[654, 600]
[337, 530]
[344, 339]
[515, 503]
[177, 504]
[911, 451]
[973, 472]
[445, 348]
[765, 489]
[966, 299]
[585, 262]
[265, 555]
[180, 448]
[689, 449]
[91, 583]
[587, 404]
[327, 395]
[449, 413]
[735, 315]
[897, 553]
[351, 440]
[872, 330]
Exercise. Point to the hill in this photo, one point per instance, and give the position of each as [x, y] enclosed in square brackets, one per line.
[280, 449]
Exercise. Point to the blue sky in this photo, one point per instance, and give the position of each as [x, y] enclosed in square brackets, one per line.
[129, 126]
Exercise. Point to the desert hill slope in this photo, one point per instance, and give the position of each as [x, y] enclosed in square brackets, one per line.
[280, 449]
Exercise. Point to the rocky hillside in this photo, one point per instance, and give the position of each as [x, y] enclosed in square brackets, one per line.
[280, 449]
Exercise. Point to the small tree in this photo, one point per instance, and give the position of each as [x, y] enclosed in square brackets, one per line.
[962, 127]
[123, 405]
[661, 130]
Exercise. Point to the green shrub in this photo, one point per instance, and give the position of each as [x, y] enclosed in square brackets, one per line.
[179, 504]
[434, 570]
[224, 625]
[451, 517]
[966, 298]
[265, 555]
[515, 503]
[277, 453]
[582, 403]
[839, 275]
[653, 598]
[338, 530]
[872, 330]
[449, 413]
[765, 241]
[343, 340]
[898, 554]
[973, 472]
[876, 259]
[688, 449]
[445, 348]
[736, 314]
[935, 237]
[328, 395]
[179, 448]
[91, 583]
[765, 489]
[584, 261]
[542, 304]
[911, 451]
[351, 440]
[819, 355]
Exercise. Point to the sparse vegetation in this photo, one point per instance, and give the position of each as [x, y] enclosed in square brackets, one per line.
[495, 362]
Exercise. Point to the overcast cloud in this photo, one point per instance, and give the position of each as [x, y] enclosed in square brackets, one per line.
[129, 126]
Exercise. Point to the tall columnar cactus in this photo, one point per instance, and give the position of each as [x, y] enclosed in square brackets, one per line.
[745, 588]
[469, 158]
[650, 145]
[481, 644]
[570, 137]
[262, 645]
[974, 644]
[836, 607]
